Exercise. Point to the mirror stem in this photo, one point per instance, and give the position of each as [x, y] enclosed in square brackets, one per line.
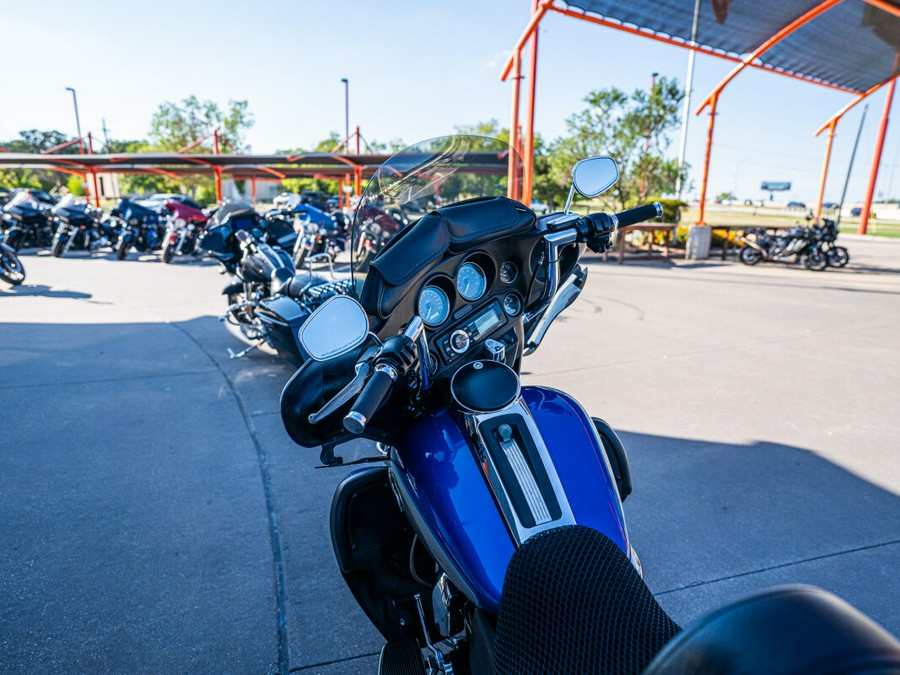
[569, 199]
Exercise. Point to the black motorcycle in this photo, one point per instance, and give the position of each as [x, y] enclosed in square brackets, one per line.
[799, 244]
[79, 226]
[267, 300]
[138, 227]
[827, 232]
[26, 221]
[11, 269]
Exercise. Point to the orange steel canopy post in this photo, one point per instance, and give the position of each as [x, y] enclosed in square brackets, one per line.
[876, 160]
[713, 96]
[512, 175]
[825, 163]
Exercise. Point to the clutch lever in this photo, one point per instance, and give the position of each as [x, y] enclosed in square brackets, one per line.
[348, 392]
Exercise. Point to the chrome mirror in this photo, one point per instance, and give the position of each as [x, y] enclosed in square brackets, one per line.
[335, 328]
[593, 176]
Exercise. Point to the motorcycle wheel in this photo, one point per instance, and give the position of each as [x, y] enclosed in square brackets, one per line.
[815, 261]
[838, 256]
[121, 249]
[11, 269]
[59, 245]
[750, 255]
[168, 253]
[301, 256]
[15, 239]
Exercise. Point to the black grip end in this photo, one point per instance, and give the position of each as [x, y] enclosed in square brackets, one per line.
[369, 401]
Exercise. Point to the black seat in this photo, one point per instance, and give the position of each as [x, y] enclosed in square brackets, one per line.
[781, 631]
[300, 283]
[573, 603]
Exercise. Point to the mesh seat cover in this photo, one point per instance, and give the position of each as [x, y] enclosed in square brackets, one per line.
[573, 603]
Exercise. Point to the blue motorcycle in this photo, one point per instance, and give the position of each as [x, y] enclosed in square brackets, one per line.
[137, 227]
[423, 359]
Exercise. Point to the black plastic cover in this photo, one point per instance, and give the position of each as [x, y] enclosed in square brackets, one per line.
[485, 386]
[409, 256]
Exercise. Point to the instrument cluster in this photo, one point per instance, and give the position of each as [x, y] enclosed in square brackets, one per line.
[479, 295]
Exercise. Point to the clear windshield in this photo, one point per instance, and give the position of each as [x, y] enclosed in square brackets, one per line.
[424, 177]
[24, 198]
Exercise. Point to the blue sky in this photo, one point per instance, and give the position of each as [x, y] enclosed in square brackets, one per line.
[416, 70]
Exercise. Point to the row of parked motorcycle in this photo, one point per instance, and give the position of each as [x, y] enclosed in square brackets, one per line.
[173, 224]
[813, 245]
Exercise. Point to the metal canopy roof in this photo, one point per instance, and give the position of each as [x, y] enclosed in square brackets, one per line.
[239, 166]
[852, 45]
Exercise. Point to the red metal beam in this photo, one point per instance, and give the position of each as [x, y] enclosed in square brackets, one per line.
[825, 169]
[528, 141]
[49, 151]
[541, 8]
[876, 159]
[701, 213]
[512, 176]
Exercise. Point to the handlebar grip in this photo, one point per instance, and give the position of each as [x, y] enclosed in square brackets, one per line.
[370, 399]
[639, 214]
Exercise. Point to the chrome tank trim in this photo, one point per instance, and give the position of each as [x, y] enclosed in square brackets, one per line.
[527, 480]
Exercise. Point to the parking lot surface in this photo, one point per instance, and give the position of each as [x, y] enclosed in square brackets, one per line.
[156, 517]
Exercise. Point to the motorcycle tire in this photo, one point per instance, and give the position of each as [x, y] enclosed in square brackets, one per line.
[15, 239]
[59, 245]
[168, 253]
[838, 256]
[750, 255]
[815, 261]
[301, 257]
[11, 269]
[121, 249]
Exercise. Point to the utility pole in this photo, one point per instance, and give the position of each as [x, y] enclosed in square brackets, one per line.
[77, 120]
[686, 111]
[106, 135]
[346, 115]
[649, 131]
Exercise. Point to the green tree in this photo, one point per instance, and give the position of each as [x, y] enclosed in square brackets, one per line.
[176, 125]
[633, 129]
[34, 141]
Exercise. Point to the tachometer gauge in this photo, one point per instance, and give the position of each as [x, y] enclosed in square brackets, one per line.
[509, 272]
[434, 306]
[471, 282]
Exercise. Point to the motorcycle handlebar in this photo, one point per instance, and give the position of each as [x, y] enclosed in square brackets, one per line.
[370, 399]
[638, 214]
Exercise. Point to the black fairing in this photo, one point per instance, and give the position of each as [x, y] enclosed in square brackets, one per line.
[372, 541]
[457, 228]
[311, 387]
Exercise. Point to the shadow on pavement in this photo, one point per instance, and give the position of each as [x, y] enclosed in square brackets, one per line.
[137, 514]
[43, 291]
[714, 521]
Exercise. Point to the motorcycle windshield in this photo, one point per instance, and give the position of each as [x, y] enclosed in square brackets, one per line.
[25, 199]
[421, 178]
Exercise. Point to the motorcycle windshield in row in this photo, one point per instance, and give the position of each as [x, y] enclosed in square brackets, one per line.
[423, 177]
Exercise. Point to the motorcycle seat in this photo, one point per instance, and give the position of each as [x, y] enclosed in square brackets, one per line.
[781, 631]
[572, 602]
[299, 284]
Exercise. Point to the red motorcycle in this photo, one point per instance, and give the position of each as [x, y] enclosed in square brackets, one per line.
[185, 224]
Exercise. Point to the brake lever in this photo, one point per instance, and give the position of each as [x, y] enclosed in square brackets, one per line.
[349, 391]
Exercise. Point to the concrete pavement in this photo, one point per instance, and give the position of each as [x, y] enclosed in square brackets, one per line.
[156, 518]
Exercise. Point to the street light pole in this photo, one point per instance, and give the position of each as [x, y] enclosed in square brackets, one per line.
[77, 120]
[346, 115]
